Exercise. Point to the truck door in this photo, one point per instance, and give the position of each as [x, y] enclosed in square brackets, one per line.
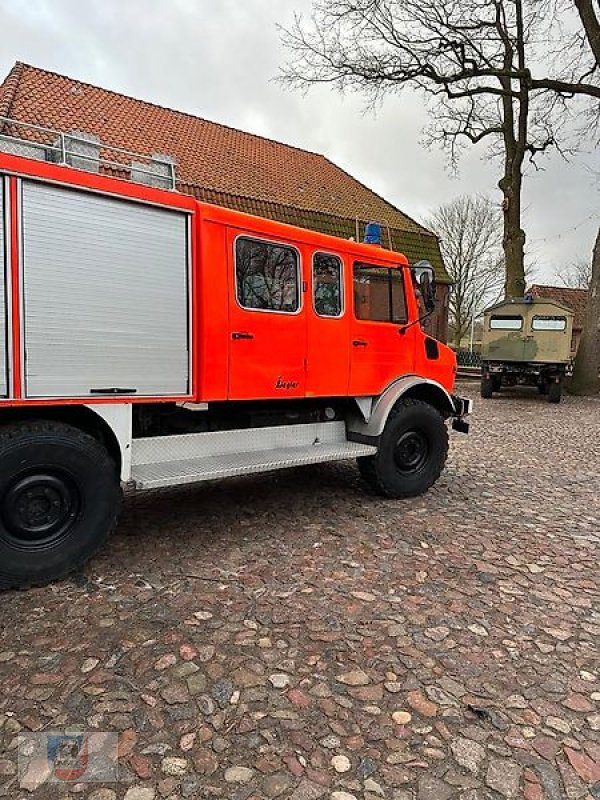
[379, 353]
[328, 358]
[4, 238]
[267, 340]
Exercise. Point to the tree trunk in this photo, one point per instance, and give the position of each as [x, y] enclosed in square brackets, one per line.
[587, 363]
[513, 241]
[515, 142]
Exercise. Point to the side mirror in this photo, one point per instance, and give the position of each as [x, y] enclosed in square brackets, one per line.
[425, 281]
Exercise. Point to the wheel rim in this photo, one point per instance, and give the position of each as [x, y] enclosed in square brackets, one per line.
[39, 509]
[411, 451]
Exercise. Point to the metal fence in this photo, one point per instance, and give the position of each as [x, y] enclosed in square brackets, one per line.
[466, 358]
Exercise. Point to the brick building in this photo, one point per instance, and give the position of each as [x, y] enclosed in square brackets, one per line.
[218, 164]
[575, 299]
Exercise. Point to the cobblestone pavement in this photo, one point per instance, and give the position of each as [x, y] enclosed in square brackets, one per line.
[292, 636]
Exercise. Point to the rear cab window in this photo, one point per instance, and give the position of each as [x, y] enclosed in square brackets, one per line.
[267, 276]
[379, 294]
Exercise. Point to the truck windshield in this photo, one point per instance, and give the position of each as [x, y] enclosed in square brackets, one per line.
[506, 323]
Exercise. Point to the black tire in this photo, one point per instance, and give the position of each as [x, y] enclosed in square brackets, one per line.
[554, 392]
[487, 388]
[59, 501]
[412, 451]
[497, 383]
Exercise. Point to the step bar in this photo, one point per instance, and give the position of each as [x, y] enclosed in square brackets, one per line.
[161, 461]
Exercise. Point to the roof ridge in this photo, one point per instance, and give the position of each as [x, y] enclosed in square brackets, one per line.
[10, 84]
[170, 110]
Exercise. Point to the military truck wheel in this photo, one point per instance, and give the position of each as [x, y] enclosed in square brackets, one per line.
[59, 500]
[487, 388]
[412, 451]
[554, 392]
[497, 383]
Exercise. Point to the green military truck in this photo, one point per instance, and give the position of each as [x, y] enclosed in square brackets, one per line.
[526, 341]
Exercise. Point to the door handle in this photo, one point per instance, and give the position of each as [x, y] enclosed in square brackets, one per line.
[359, 343]
[242, 335]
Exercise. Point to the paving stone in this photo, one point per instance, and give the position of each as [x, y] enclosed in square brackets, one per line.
[431, 788]
[341, 763]
[504, 776]
[468, 754]
[239, 774]
[104, 794]
[140, 793]
[354, 678]
[587, 769]
[276, 785]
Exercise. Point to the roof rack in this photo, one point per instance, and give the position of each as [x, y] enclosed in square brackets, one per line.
[85, 152]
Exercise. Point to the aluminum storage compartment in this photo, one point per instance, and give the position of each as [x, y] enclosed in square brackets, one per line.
[105, 284]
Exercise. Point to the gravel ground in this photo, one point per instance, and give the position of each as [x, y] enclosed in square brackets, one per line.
[294, 636]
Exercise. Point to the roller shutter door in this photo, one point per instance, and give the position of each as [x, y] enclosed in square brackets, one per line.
[106, 295]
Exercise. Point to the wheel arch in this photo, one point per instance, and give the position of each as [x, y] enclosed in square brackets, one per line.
[374, 415]
[108, 426]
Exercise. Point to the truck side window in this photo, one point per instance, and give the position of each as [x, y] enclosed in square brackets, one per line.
[327, 285]
[506, 323]
[267, 276]
[379, 294]
[547, 322]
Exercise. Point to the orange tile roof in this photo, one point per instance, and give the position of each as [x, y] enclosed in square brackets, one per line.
[575, 299]
[217, 163]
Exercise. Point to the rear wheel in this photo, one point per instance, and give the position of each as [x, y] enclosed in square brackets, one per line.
[487, 387]
[554, 392]
[412, 451]
[59, 500]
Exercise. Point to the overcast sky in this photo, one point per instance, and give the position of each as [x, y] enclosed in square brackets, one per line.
[217, 59]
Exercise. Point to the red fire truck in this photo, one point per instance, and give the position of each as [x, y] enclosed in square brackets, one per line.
[151, 340]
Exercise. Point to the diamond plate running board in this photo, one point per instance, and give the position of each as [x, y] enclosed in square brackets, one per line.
[192, 458]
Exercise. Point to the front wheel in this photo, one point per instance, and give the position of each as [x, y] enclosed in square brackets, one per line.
[412, 451]
[59, 499]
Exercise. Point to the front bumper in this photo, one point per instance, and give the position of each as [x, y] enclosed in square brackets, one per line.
[463, 406]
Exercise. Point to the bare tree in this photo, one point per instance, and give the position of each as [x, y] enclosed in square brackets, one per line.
[471, 59]
[469, 229]
[577, 275]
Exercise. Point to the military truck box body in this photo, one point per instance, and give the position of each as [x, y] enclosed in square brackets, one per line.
[536, 330]
[526, 341]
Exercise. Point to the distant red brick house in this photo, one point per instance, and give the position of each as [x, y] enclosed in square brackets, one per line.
[223, 165]
[575, 299]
